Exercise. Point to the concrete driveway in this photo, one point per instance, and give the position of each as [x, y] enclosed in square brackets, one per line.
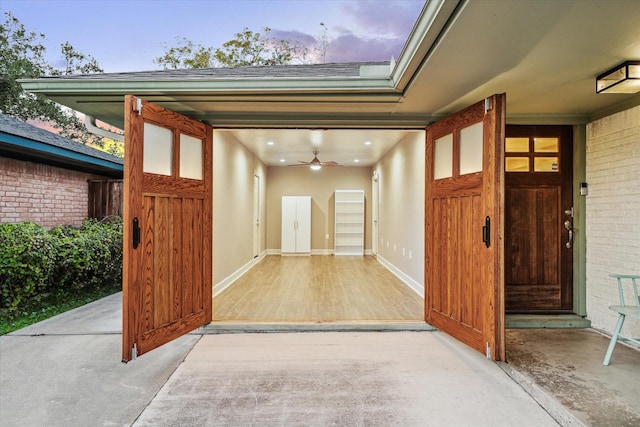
[66, 371]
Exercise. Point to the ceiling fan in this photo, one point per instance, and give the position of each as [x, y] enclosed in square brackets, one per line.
[316, 164]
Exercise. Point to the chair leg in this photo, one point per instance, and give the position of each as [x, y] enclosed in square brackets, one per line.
[614, 340]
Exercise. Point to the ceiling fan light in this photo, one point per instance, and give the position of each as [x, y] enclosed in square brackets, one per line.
[315, 166]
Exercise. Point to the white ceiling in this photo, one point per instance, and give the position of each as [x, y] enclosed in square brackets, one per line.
[343, 146]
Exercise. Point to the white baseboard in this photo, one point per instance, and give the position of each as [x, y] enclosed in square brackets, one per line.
[415, 286]
[313, 252]
[228, 281]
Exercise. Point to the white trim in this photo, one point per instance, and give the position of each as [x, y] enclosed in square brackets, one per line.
[313, 252]
[228, 281]
[415, 286]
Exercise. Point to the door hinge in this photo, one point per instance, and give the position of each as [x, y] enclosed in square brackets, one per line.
[487, 105]
[488, 350]
[138, 107]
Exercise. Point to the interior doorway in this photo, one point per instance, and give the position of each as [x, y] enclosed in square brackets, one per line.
[375, 210]
[539, 219]
[256, 216]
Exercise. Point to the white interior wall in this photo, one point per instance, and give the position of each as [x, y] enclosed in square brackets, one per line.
[234, 167]
[612, 213]
[401, 178]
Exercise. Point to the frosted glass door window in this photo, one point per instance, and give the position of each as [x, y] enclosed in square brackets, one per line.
[471, 149]
[190, 157]
[157, 150]
[443, 157]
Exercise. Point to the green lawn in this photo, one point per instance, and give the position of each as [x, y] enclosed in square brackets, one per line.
[50, 307]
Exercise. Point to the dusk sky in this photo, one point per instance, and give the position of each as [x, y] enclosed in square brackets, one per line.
[126, 35]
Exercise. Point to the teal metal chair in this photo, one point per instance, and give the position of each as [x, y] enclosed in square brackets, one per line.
[623, 311]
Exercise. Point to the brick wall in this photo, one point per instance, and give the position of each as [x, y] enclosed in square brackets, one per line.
[46, 195]
[613, 213]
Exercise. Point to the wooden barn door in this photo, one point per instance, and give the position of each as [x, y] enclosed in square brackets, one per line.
[464, 289]
[167, 243]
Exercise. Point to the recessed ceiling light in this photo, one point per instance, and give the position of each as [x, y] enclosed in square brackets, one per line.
[270, 143]
[356, 160]
[367, 143]
[282, 160]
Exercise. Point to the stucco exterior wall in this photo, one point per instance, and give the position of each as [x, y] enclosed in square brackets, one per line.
[612, 213]
[46, 195]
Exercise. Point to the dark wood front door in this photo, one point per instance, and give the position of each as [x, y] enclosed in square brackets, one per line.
[168, 226]
[538, 219]
[463, 233]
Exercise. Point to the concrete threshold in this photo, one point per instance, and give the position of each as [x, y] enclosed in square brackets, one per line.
[558, 412]
[536, 321]
[355, 326]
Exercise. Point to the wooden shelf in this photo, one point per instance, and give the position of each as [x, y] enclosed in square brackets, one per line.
[349, 222]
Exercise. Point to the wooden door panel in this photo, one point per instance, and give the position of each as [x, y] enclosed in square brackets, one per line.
[167, 278]
[531, 230]
[463, 276]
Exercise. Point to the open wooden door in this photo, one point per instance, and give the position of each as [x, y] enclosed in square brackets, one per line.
[464, 282]
[167, 274]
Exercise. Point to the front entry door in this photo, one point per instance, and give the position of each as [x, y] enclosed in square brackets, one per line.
[463, 235]
[538, 219]
[168, 226]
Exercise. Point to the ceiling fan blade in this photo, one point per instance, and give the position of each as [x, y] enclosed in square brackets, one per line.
[304, 163]
[330, 164]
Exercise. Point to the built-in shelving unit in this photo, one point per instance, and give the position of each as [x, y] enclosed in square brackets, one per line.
[349, 222]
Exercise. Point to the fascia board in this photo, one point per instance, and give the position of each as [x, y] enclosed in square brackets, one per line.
[435, 17]
[21, 144]
[102, 86]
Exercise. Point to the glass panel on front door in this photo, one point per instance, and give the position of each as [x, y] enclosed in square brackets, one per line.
[532, 154]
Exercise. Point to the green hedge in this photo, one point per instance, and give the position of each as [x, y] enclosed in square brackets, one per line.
[35, 263]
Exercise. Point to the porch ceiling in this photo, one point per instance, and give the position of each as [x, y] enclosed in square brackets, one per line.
[545, 55]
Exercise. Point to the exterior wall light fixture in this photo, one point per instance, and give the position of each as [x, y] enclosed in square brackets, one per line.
[625, 78]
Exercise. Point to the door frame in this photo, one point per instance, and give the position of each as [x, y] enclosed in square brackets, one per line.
[257, 226]
[566, 259]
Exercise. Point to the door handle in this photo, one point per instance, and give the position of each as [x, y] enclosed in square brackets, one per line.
[486, 232]
[569, 227]
[135, 228]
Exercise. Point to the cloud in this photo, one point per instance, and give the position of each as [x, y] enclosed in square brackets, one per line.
[392, 18]
[376, 31]
[352, 48]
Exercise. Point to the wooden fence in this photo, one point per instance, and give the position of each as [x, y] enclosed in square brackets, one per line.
[105, 198]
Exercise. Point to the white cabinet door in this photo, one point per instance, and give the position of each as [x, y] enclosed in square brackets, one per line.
[288, 224]
[303, 231]
[296, 225]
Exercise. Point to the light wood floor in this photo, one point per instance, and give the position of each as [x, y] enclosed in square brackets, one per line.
[318, 289]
